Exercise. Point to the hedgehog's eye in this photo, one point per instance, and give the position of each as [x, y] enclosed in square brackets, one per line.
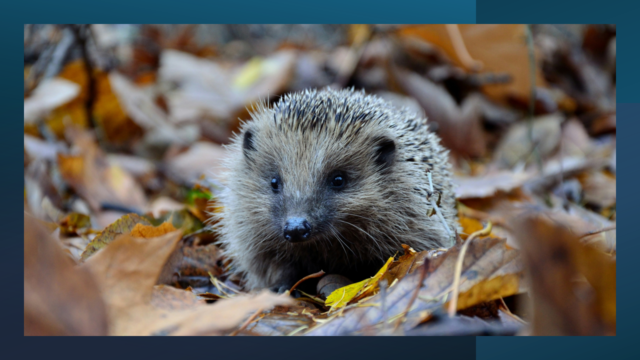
[337, 180]
[275, 184]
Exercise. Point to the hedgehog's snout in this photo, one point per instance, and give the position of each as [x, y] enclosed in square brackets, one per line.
[297, 230]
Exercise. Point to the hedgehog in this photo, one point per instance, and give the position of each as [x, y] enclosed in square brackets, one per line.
[332, 180]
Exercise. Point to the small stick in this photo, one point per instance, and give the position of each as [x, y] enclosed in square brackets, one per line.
[246, 323]
[453, 304]
[318, 274]
[589, 233]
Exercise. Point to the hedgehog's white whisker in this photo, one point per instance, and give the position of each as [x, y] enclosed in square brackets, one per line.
[336, 233]
[380, 251]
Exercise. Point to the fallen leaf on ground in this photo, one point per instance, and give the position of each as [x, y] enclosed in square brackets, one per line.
[500, 48]
[128, 292]
[459, 127]
[573, 286]
[343, 296]
[468, 187]
[47, 96]
[191, 261]
[203, 158]
[146, 231]
[107, 111]
[123, 225]
[283, 320]
[98, 181]
[59, 297]
[490, 270]
[599, 189]
[518, 146]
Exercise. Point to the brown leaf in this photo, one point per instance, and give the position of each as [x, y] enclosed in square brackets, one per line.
[169, 298]
[59, 297]
[490, 270]
[573, 286]
[121, 226]
[283, 320]
[459, 126]
[500, 48]
[107, 110]
[202, 158]
[401, 267]
[146, 231]
[516, 146]
[129, 293]
[575, 139]
[141, 107]
[599, 189]
[95, 179]
[468, 187]
[190, 261]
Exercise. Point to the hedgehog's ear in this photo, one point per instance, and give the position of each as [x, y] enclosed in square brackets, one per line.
[385, 153]
[247, 143]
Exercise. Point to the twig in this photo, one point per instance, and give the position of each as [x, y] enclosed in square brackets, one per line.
[318, 274]
[315, 299]
[509, 313]
[589, 233]
[246, 323]
[59, 54]
[216, 283]
[453, 304]
[303, 327]
[461, 49]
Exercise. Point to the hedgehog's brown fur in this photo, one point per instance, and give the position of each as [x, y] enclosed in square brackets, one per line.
[386, 154]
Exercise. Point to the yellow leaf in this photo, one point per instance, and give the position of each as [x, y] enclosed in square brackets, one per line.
[342, 296]
[249, 74]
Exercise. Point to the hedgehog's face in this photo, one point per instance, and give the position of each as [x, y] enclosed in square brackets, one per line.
[314, 186]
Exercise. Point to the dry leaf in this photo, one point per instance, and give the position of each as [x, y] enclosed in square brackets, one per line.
[121, 226]
[488, 185]
[490, 270]
[107, 110]
[49, 94]
[134, 309]
[97, 180]
[145, 231]
[500, 48]
[343, 296]
[459, 127]
[202, 158]
[599, 189]
[573, 286]
[59, 297]
[516, 146]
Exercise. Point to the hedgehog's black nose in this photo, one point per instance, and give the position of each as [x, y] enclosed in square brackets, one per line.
[297, 230]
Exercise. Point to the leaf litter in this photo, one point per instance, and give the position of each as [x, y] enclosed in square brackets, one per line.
[122, 167]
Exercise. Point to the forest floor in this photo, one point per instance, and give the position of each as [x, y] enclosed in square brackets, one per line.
[124, 128]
